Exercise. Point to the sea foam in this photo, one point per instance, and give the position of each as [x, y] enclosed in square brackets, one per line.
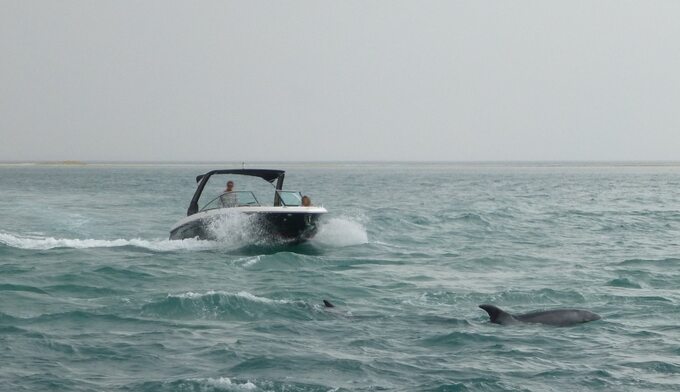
[224, 383]
[241, 294]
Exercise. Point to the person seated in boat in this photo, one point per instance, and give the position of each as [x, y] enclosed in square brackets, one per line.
[229, 198]
[306, 201]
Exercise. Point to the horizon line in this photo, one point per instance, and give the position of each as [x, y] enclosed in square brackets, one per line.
[240, 162]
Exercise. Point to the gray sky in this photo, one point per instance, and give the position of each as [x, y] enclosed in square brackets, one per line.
[341, 80]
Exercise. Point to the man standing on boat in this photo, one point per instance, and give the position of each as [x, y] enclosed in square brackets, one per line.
[229, 198]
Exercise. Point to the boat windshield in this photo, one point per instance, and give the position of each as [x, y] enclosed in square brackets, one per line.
[290, 198]
[232, 199]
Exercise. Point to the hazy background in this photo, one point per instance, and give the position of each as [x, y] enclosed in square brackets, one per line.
[349, 80]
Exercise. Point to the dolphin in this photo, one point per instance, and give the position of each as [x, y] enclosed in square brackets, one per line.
[327, 304]
[555, 317]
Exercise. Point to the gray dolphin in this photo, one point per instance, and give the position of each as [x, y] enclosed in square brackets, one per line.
[556, 317]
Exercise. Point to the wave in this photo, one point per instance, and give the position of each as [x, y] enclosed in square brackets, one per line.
[81, 316]
[83, 291]
[44, 243]
[224, 305]
[655, 366]
[461, 339]
[123, 273]
[10, 329]
[473, 218]
[624, 283]
[20, 287]
[242, 294]
[653, 262]
[7, 319]
[543, 297]
[227, 384]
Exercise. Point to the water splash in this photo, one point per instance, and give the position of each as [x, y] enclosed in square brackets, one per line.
[247, 262]
[341, 231]
[236, 230]
[233, 228]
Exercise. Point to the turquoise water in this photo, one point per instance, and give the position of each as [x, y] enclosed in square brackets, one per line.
[93, 297]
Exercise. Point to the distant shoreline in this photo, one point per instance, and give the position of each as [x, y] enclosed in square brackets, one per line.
[253, 164]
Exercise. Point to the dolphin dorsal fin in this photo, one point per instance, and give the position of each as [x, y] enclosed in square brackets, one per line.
[498, 315]
[328, 304]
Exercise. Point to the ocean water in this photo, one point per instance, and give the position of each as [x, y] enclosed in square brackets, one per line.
[94, 297]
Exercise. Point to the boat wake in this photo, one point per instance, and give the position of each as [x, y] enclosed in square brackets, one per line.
[34, 242]
[234, 233]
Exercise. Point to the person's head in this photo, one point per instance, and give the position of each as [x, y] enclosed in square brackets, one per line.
[306, 201]
[230, 185]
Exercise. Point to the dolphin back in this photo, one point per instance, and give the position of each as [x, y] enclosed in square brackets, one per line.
[498, 315]
[558, 317]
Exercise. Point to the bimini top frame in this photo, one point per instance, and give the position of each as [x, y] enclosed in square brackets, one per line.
[267, 175]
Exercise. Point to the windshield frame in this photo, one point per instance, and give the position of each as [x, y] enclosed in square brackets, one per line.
[220, 203]
[282, 200]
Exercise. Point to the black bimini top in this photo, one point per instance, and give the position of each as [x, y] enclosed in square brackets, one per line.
[265, 174]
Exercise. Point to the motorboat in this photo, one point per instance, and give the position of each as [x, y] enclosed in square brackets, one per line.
[286, 220]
